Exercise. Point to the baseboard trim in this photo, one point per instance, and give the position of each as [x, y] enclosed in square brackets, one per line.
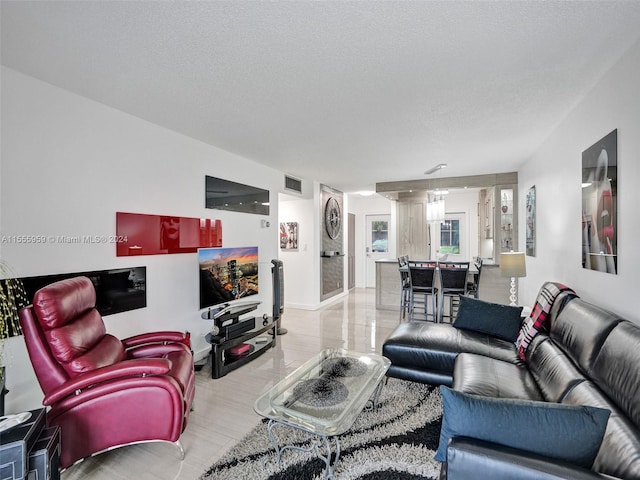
[306, 306]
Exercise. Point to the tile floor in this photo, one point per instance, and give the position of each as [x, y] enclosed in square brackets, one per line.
[223, 411]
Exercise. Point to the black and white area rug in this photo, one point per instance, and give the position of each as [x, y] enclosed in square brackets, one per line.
[395, 442]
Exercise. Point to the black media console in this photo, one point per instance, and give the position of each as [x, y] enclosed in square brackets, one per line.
[235, 341]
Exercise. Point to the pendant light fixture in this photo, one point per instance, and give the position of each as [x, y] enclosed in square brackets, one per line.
[435, 199]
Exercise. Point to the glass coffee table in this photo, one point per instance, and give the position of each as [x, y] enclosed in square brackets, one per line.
[323, 397]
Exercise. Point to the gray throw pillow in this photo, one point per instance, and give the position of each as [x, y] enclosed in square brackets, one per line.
[570, 433]
[501, 321]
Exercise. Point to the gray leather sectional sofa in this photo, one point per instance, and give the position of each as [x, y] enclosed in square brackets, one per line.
[589, 356]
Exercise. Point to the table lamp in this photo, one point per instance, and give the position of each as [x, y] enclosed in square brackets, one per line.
[512, 265]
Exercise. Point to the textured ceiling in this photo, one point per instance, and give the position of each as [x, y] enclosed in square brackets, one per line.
[348, 93]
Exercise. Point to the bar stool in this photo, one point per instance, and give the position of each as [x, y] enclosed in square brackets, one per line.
[473, 288]
[453, 281]
[405, 286]
[422, 280]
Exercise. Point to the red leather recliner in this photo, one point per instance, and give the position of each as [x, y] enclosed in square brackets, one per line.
[104, 392]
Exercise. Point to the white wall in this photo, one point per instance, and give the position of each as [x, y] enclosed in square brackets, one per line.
[555, 170]
[68, 164]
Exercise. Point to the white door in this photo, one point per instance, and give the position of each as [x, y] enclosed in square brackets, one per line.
[376, 244]
[451, 238]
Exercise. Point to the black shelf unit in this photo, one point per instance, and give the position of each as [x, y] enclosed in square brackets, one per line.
[30, 450]
[331, 254]
[222, 362]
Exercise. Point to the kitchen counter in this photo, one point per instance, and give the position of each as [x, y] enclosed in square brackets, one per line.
[388, 284]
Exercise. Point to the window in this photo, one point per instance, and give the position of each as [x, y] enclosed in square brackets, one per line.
[450, 237]
[379, 236]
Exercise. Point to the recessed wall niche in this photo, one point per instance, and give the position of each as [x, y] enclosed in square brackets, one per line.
[332, 254]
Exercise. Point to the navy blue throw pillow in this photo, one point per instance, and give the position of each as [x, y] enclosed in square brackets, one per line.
[501, 321]
[570, 433]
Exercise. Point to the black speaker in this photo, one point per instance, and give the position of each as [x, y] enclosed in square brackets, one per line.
[278, 294]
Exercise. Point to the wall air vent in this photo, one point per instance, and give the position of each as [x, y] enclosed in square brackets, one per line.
[293, 184]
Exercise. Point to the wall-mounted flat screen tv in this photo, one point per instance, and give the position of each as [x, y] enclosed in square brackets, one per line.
[227, 195]
[227, 274]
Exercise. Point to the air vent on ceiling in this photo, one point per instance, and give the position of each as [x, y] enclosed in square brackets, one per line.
[291, 183]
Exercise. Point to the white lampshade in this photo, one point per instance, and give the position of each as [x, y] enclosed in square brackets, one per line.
[512, 264]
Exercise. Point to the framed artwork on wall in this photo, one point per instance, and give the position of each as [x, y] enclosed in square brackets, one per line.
[599, 205]
[289, 236]
[530, 215]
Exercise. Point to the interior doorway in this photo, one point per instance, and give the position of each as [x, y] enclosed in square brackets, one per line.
[376, 244]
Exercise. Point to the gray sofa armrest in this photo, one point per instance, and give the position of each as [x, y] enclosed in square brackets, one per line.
[467, 458]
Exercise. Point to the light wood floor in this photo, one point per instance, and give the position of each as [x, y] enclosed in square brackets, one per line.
[223, 411]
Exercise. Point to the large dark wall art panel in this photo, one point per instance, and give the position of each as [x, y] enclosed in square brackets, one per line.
[224, 194]
[332, 264]
[117, 290]
[142, 234]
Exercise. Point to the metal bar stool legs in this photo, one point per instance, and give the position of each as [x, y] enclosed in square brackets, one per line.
[423, 304]
[454, 301]
[405, 301]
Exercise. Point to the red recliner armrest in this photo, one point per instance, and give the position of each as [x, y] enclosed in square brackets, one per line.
[124, 369]
[156, 350]
[157, 337]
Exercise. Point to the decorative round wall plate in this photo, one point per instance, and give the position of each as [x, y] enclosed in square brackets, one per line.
[332, 218]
